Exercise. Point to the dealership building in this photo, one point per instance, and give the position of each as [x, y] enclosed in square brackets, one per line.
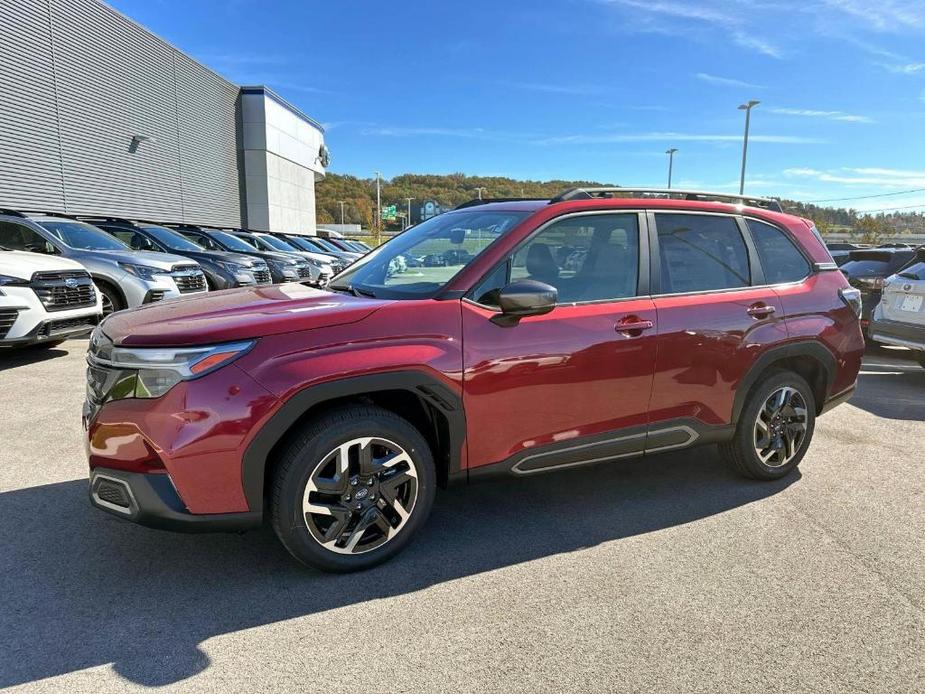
[99, 116]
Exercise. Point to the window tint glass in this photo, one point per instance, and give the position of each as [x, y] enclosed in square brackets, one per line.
[18, 237]
[586, 258]
[780, 259]
[700, 253]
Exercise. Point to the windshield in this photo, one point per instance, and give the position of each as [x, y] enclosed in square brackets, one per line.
[419, 262]
[914, 272]
[84, 236]
[171, 239]
[326, 245]
[232, 242]
[277, 244]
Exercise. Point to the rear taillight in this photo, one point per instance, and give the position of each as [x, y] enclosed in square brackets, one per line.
[852, 299]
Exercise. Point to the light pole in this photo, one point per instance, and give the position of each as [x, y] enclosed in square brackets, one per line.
[747, 107]
[408, 224]
[378, 208]
[479, 191]
[670, 154]
[341, 203]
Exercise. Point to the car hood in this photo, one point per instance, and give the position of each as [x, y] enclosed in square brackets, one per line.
[164, 261]
[22, 264]
[225, 257]
[236, 314]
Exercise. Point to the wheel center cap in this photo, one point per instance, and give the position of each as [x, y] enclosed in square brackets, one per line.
[361, 493]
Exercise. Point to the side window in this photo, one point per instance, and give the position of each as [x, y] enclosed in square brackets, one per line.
[18, 237]
[701, 252]
[202, 240]
[124, 235]
[780, 259]
[586, 258]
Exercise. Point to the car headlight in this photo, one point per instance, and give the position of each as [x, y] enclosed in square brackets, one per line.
[287, 270]
[316, 263]
[241, 273]
[147, 372]
[8, 281]
[143, 272]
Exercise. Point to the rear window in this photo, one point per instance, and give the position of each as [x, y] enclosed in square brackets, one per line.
[701, 253]
[914, 272]
[875, 262]
[866, 267]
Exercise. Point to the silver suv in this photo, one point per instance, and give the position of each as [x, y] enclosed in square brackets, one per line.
[125, 278]
[899, 318]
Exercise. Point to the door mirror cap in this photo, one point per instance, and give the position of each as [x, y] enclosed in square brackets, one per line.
[524, 298]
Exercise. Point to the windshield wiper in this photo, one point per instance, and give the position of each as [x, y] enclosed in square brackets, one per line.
[356, 291]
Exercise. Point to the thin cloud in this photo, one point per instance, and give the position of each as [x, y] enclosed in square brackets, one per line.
[548, 88]
[762, 46]
[826, 115]
[869, 176]
[905, 68]
[884, 15]
[673, 137]
[726, 81]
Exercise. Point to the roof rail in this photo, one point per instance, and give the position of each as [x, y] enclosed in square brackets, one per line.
[485, 201]
[11, 213]
[47, 213]
[667, 193]
[104, 218]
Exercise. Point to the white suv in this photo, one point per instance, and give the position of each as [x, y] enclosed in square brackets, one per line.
[899, 318]
[44, 299]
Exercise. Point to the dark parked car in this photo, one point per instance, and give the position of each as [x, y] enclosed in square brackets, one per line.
[283, 267]
[336, 414]
[841, 250]
[868, 269]
[223, 270]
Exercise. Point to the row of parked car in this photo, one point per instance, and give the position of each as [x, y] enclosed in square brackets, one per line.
[891, 279]
[60, 274]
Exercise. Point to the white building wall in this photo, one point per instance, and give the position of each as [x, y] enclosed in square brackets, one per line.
[281, 163]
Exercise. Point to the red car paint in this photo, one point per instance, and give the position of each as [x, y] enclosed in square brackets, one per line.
[569, 374]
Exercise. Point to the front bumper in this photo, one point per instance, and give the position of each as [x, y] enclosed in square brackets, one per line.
[896, 333]
[24, 319]
[138, 291]
[151, 500]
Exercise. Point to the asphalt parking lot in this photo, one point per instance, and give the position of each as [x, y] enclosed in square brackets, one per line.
[659, 575]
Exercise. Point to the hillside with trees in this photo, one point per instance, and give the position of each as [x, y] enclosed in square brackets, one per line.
[359, 196]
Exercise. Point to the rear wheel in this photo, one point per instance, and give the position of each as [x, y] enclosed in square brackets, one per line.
[353, 489]
[775, 427]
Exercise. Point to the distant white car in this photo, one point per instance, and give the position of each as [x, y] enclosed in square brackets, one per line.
[44, 299]
[899, 318]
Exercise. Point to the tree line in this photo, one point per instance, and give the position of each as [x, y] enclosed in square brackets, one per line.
[359, 197]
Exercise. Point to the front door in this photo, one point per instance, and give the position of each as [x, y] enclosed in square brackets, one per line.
[573, 385]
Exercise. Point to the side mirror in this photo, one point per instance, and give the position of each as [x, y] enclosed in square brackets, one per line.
[524, 298]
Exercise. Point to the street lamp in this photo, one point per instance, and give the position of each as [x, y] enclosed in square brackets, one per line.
[408, 224]
[341, 203]
[747, 107]
[670, 153]
[378, 207]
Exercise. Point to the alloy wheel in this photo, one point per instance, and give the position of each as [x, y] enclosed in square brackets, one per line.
[360, 495]
[107, 304]
[780, 427]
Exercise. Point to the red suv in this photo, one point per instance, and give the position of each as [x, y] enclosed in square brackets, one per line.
[600, 325]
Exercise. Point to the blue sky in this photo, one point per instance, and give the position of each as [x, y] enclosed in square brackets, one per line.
[590, 89]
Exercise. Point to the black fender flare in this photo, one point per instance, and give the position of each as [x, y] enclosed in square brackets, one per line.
[801, 348]
[115, 285]
[423, 385]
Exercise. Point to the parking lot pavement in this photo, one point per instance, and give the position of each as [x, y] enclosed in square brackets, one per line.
[658, 575]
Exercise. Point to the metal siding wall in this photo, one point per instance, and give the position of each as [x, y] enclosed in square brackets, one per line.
[207, 107]
[114, 80]
[30, 156]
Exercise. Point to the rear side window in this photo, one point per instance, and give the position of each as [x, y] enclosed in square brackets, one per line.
[914, 272]
[701, 253]
[18, 237]
[780, 259]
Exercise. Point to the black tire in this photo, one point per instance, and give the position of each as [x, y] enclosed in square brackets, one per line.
[305, 457]
[111, 296]
[741, 451]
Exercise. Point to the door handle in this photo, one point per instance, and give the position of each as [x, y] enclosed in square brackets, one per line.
[760, 310]
[633, 325]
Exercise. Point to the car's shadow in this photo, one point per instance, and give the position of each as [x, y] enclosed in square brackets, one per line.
[81, 588]
[10, 358]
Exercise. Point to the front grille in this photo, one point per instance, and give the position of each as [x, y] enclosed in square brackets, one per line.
[61, 291]
[305, 271]
[188, 278]
[7, 318]
[262, 276]
[154, 295]
[69, 326]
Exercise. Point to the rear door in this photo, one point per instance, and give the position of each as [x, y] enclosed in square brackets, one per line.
[715, 316]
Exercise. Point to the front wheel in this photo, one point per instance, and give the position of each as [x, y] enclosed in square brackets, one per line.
[352, 489]
[774, 429]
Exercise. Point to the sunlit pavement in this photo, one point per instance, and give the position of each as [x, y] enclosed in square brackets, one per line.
[659, 575]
